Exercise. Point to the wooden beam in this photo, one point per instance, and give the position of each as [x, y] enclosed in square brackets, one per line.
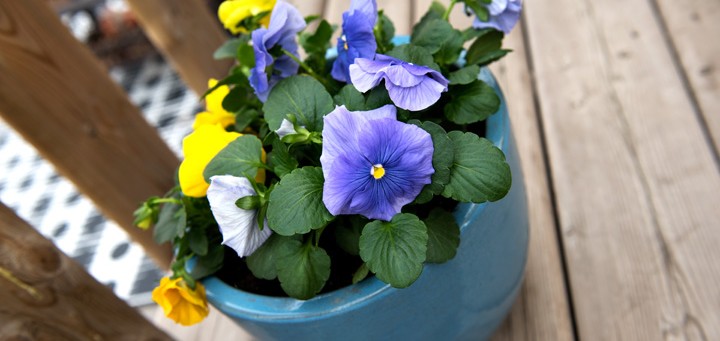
[542, 311]
[693, 27]
[56, 94]
[636, 183]
[187, 34]
[45, 295]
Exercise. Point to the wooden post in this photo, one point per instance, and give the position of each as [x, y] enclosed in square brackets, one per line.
[45, 295]
[187, 35]
[59, 98]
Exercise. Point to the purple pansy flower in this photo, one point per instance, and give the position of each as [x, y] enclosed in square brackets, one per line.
[373, 164]
[412, 87]
[285, 22]
[358, 39]
[238, 227]
[504, 14]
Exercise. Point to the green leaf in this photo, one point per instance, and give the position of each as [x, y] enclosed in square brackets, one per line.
[491, 57]
[230, 48]
[440, 39]
[414, 54]
[489, 41]
[241, 158]
[302, 269]
[198, 241]
[235, 78]
[479, 172]
[480, 11]
[443, 236]
[465, 75]
[442, 160]
[377, 97]
[235, 99]
[302, 96]
[280, 159]
[249, 202]
[296, 205]
[246, 55]
[435, 11]
[319, 41]
[352, 99]
[347, 234]
[210, 263]
[171, 223]
[244, 118]
[395, 250]
[384, 31]
[360, 273]
[263, 262]
[471, 103]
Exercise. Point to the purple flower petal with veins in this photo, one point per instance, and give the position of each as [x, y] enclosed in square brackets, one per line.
[412, 87]
[373, 164]
[285, 22]
[503, 15]
[357, 39]
[238, 227]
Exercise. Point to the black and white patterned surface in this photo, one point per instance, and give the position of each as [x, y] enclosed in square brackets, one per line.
[32, 188]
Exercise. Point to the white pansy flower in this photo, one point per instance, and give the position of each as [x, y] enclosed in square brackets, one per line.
[238, 226]
[286, 128]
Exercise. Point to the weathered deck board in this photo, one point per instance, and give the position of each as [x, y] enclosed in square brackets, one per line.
[542, 310]
[694, 26]
[636, 185]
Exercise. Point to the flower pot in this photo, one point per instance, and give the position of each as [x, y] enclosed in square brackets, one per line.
[465, 298]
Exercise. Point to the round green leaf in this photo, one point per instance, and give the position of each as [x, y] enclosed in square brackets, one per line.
[302, 269]
[442, 160]
[443, 236]
[395, 250]
[471, 103]
[296, 205]
[301, 96]
[479, 172]
[263, 262]
[241, 158]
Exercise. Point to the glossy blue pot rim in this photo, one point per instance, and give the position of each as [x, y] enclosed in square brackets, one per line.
[245, 305]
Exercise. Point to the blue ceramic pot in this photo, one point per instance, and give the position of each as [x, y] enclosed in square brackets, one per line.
[465, 298]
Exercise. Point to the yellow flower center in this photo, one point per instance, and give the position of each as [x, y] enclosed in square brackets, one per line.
[377, 171]
[345, 45]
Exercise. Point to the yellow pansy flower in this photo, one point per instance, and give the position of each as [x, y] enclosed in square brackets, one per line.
[199, 148]
[232, 12]
[215, 113]
[181, 303]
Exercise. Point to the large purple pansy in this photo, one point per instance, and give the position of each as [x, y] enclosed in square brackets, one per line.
[373, 164]
[357, 39]
[285, 23]
[412, 87]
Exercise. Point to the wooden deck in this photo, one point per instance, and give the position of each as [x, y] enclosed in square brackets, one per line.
[616, 109]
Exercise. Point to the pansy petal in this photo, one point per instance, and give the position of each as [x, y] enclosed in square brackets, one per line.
[364, 81]
[238, 226]
[400, 76]
[497, 6]
[339, 135]
[286, 128]
[199, 148]
[418, 97]
[366, 7]
[349, 178]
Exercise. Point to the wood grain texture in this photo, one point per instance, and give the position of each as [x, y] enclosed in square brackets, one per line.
[694, 26]
[45, 295]
[541, 312]
[635, 181]
[61, 100]
[187, 34]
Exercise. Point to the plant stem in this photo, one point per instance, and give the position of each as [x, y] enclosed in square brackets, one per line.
[446, 15]
[168, 201]
[318, 233]
[305, 67]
